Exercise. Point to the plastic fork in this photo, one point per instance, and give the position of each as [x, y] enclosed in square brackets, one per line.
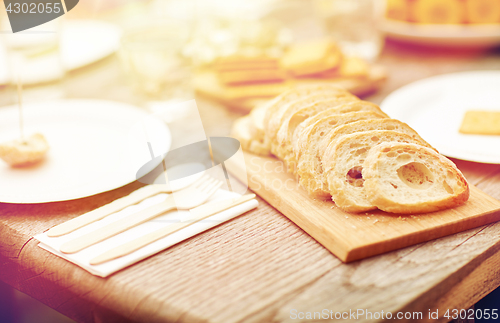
[113, 207]
[188, 198]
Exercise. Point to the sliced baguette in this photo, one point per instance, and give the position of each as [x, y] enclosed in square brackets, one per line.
[295, 94]
[261, 114]
[310, 109]
[408, 178]
[275, 121]
[304, 117]
[241, 130]
[256, 128]
[343, 164]
[349, 107]
[307, 155]
[367, 125]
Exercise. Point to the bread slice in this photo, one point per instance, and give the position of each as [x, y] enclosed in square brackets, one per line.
[277, 119]
[294, 94]
[241, 130]
[311, 110]
[409, 178]
[256, 129]
[307, 155]
[305, 117]
[343, 166]
[367, 125]
[352, 107]
[261, 114]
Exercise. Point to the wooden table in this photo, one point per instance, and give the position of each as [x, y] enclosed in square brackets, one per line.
[259, 267]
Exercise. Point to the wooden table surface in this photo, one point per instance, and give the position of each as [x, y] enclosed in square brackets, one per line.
[259, 267]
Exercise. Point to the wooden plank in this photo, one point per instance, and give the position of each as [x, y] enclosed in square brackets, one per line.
[254, 268]
[425, 277]
[357, 236]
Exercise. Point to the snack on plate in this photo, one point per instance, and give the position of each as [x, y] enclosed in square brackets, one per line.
[328, 138]
[444, 11]
[248, 69]
[23, 153]
[410, 178]
[311, 57]
[320, 59]
[255, 75]
[437, 11]
[397, 10]
[481, 123]
[353, 67]
[240, 62]
[482, 11]
[244, 79]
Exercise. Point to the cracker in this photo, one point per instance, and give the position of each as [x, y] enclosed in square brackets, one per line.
[311, 57]
[255, 75]
[481, 122]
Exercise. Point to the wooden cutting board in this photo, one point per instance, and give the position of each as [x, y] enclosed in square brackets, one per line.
[244, 97]
[356, 236]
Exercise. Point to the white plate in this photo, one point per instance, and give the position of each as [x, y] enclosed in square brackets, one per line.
[82, 42]
[95, 146]
[443, 35]
[435, 107]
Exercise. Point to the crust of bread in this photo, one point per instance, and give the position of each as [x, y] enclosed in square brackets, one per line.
[346, 108]
[367, 125]
[347, 155]
[410, 179]
[335, 144]
[277, 119]
[307, 155]
[241, 131]
[295, 94]
[303, 117]
[256, 129]
[278, 147]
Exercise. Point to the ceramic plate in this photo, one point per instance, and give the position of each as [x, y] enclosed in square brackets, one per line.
[443, 35]
[82, 42]
[95, 146]
[435, 107]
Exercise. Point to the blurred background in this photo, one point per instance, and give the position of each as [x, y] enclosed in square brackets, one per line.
[234, 55]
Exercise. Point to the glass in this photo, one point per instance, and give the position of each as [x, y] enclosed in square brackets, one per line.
[153, 62]
[352, 23]
[33, 58]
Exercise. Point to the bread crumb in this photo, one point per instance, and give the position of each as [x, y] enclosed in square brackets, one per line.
[376, 220]
[354, 227]
[368, 218]
[346, 217]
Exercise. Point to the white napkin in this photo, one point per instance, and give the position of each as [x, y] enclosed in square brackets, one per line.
[83, 257]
